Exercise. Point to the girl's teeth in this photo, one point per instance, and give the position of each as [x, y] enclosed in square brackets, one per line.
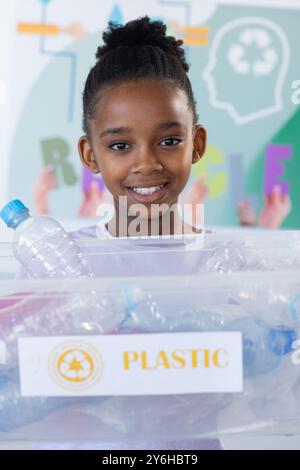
[147, 190]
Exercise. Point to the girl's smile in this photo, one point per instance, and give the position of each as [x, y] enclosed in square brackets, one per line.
[148, 192]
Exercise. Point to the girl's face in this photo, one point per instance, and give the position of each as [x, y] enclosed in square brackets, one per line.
[143, 142]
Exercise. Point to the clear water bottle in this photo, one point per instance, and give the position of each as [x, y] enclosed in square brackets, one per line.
[263, 346]
[141, 312]
[231, 257]
[4, 376]
[17, 411]
[72, 314]
[46, 250]
[42, 246]
[145, 312]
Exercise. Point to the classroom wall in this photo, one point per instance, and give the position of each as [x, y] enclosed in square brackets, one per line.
[244, 60]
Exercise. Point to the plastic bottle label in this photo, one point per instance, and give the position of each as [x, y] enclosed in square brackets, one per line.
[129, 365]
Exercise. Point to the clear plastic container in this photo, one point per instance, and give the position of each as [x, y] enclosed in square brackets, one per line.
[170, 302]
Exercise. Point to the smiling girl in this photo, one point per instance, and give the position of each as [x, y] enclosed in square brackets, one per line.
[140, 123]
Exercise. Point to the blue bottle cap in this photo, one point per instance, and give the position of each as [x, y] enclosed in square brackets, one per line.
[9, 211]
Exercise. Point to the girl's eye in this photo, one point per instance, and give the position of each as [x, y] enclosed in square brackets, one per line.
[171, 139]
[118, 144]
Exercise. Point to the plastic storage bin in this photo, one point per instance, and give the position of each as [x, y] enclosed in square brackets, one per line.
[46, 408]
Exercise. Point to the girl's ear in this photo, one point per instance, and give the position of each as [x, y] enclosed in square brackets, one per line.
[86, 153]
[200, 139]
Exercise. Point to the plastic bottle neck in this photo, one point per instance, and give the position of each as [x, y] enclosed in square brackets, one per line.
[19, 217]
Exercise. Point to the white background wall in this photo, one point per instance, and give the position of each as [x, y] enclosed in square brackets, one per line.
[7, 27]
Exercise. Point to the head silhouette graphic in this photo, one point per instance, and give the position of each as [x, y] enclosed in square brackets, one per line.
[248, 62]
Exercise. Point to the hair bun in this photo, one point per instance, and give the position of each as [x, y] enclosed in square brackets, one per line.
[141, 32]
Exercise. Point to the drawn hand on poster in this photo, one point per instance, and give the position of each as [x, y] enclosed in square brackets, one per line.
[246, 214]
[276, 208]
[248, 63]
[92, 199]
[197, 191]
[93, 193]
[196, 194]
[42, 188]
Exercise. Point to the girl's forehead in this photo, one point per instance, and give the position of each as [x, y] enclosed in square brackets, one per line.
[143, 100]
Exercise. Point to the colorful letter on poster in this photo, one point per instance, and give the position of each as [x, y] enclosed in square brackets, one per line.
[211, 167]
[274, 167]
[88, 177]
[56, 152]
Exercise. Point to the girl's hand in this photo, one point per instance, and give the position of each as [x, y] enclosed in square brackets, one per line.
[92, 199]
[277, 207]
[246, 214]
[45, 183]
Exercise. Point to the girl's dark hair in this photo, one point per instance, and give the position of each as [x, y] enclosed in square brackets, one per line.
[139, 49]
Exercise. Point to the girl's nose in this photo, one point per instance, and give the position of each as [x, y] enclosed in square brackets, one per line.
[146, 163]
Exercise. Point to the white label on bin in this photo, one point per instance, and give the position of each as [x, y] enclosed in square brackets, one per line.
[128, 365]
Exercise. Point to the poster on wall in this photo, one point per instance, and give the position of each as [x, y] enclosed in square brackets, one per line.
[245, 72]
